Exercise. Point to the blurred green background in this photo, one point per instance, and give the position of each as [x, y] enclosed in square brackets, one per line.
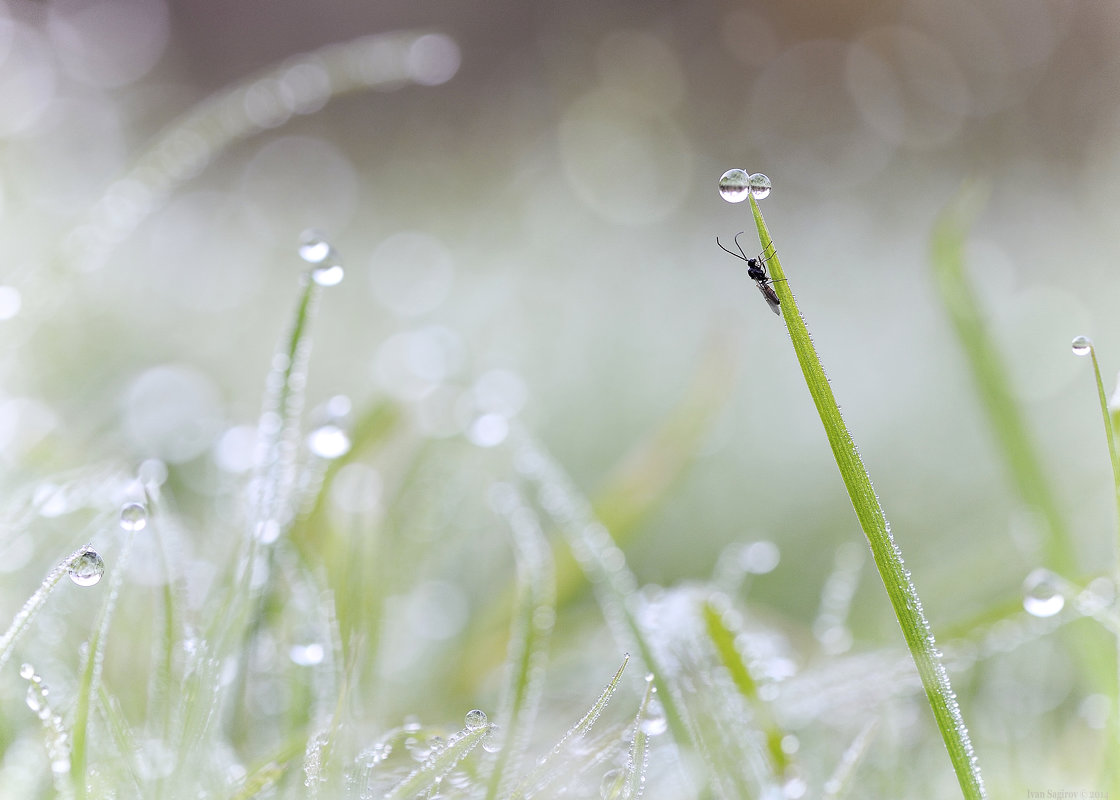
[548, 215]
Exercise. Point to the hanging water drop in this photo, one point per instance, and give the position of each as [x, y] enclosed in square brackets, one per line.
[328, 274]
[87, 569]
[314, 247]
[1041, 595]
[475, 719]
[734, 185]
[134, 517]
[1082, 345]
[759, 186]
[27, 672]
[491, 742]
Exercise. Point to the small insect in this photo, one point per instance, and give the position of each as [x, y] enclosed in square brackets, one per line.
[756, 271]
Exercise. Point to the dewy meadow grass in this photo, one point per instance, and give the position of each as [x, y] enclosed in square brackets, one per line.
[275, 646]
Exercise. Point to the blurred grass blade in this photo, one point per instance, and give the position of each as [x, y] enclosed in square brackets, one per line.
[1005, 418]
[888, 558]
[34, 603]
[534, 612]
[601, 560]
[839, 784]
[723, 639]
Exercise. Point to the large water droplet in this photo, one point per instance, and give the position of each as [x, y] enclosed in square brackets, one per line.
[1082, 345]
[1041, 595]
[87, 569]
[734, 185]
[474, 719]
[491, 742]
[328, 441]
[314, 247]
[134, 517]
[759, 186]
[328, 274]
[27, 672]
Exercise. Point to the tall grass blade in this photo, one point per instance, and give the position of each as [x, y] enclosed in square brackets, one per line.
[888, 558]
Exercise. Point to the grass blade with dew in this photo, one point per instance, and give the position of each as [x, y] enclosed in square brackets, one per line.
[888, 558]
[547, 769]
[628, 782]
[90, 679]
[1005, 417]
[443, 760]
[533, 617]
[35, 603]
[58, 739]
[1082, 345]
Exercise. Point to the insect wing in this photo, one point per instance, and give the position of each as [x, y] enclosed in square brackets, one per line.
[771, 297]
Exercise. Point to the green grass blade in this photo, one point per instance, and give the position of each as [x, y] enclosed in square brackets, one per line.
[1005, 418]
[723, 639]
[888, 558]
[1109, 433]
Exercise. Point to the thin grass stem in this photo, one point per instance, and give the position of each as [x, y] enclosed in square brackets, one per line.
[888, 558]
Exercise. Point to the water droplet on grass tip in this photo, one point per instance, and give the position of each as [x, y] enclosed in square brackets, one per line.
[759, 186]
[1082, 345]
[1041, 595]
[474, 719]
[734, 185]
[328, 275]
[491, 742]
[27, 672]
[134, 517]
[87, 569]
[314, 247]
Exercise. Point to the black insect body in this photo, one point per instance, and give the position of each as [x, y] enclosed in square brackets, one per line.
[756, 271]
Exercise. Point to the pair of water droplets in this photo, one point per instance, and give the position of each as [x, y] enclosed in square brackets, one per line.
[736, 185]
[88, 566]
[326, 267]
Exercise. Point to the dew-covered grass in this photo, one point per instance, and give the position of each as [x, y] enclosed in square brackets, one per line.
[301, 587]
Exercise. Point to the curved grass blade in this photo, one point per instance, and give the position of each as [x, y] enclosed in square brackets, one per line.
[888, 558]
[1081, 343]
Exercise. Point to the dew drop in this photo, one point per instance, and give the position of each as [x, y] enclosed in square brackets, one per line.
[734, 185]
[1041, 595]
[314, 247]
[134, 517]
[759, 186]
[328, 441]
[27, 672]
[611, 784]
[1082, 345]
[87, 569]
[328, 274]
[474, 719]
[33, 700]
[491, 742]
[307, 655]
